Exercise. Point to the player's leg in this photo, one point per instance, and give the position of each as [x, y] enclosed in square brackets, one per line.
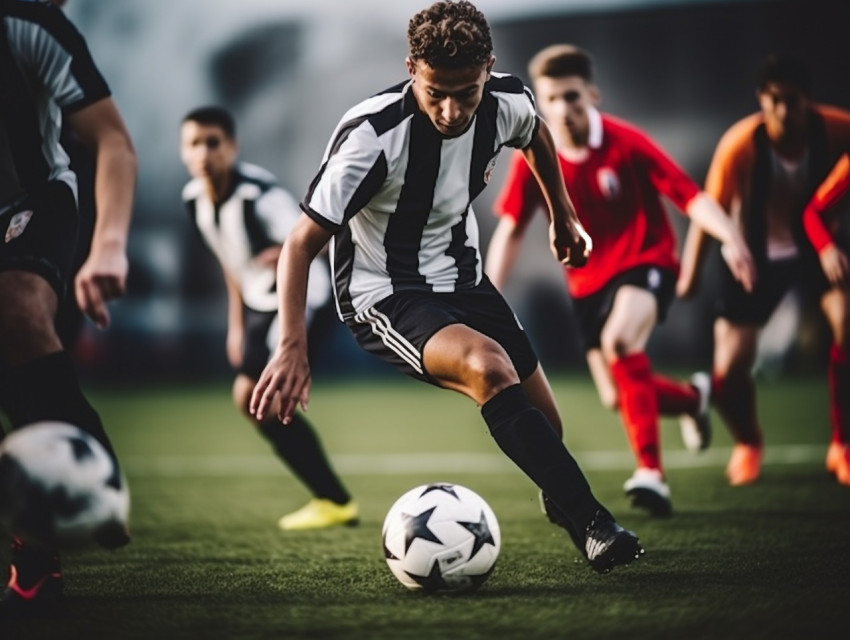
[836, 307]
[298, 445]
[734, 393]
[623, 342]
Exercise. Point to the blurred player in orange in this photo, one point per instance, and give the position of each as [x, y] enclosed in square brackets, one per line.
[823, 231]
[765, 170]
[617, 177]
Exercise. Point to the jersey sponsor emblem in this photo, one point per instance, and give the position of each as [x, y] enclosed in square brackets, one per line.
[17, 224]
[608, 182]
[488, 170]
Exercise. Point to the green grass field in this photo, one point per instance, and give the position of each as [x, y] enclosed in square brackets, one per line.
[207, 560]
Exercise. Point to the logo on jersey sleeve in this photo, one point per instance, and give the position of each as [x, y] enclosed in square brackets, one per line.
[609, 183]
[17, 224]
[488, 170]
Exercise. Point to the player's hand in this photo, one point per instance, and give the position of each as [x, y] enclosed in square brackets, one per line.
[835, 265]
[740, 262]
[571, 244]
[286, 375]
[102, 277]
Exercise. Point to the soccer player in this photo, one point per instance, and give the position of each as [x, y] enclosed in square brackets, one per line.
[244, 216]
[47, 74]
[617, 176]
[393, 196]
[765, 169]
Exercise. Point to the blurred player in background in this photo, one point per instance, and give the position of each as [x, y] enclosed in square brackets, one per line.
[823, 228]
[244, 217]
[616, 176]
[765, 170]
[47, 74]
[393, 196]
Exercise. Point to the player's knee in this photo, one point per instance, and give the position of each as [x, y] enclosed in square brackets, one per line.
[242, 389]
[490, 370]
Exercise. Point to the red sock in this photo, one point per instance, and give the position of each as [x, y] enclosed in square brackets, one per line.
[638, 407]
[735, 400]
[674, 397]
[838, 375]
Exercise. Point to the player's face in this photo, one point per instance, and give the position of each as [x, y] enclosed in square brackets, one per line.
[563, 102]
[206, 150]
[449, 97]
[784, 107]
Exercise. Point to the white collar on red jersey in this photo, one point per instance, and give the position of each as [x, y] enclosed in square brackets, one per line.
[594, 137]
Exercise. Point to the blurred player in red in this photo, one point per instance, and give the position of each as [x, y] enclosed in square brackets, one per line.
[765, 170]
[822, 229]
[617, 176]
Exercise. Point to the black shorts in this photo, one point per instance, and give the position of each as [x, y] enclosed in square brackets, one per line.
[39, 235]
[593, 310]
[260, 334]
[775, 279]
[398, 327]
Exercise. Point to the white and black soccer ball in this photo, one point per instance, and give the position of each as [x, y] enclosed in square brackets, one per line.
[59, 487]
[441, 538]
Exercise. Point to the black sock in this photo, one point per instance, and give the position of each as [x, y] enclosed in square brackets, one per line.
[525, 435]
[298, 445]
[47, 388]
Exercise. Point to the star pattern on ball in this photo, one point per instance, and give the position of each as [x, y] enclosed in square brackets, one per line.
[447, 488]
[417, 527]
[481, 531]
[433, 581]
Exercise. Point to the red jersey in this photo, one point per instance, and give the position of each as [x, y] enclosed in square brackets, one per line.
[616, 190]
[820, 226]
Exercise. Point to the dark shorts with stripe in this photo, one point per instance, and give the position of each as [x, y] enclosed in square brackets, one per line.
[397, 328]
[40, 234]
[593, 310]
[775, 279]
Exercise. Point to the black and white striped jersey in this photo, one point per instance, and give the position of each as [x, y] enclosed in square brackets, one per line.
[257, 215]
[45, 71]
[398, 194]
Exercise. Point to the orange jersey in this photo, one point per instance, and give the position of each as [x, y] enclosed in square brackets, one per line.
[820, 227]
[764, 192]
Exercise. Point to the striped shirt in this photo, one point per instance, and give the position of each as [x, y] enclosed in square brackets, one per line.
[46, 72]
[398, 195]
[258, 214]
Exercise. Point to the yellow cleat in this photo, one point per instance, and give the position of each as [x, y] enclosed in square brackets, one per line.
[320, 513]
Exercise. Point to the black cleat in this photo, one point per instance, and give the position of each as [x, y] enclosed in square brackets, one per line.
[35, 584]
[557, 517]
[608, 545]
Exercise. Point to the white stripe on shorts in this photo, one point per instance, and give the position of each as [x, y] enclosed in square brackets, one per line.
[394, 341]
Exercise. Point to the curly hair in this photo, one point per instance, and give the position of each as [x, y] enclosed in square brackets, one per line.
[450, 35]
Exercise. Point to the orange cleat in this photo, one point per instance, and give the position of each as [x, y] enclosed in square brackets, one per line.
[745, 464]
[833, 455]
[842, 466]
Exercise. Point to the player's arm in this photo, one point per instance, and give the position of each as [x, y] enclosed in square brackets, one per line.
[570, 242]
[103, 276]
[723, 185]
[710, 218]
[288, 371]
[833, 260]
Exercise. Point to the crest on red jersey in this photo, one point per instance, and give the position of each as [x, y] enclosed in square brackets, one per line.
[609, 183]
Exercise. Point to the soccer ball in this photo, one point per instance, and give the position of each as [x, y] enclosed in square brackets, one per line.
[441, 538]
[59, 488]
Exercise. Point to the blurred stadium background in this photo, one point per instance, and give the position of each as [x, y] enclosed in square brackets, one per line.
[684, 71]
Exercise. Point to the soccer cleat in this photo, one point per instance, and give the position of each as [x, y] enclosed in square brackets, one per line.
[745, 464]
[608, 545]
[833, 456]
[320, 513]
[557, 517]
[842, 465]
[696, 428]
[35, 584]
[647, 490]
